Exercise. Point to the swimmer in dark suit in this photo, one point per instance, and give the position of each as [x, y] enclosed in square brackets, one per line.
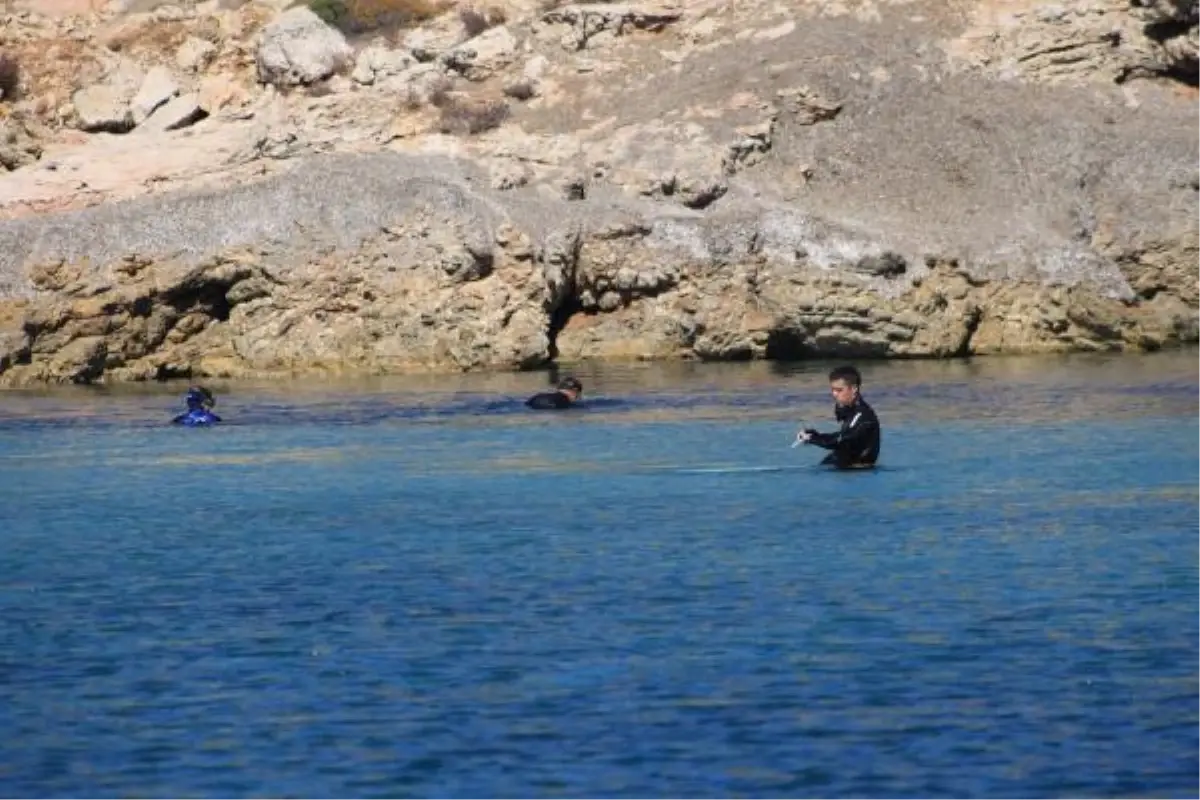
[856, 444]
[199, 404]
[568, 393]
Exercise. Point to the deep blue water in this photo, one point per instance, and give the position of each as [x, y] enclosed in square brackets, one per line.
[411, 588]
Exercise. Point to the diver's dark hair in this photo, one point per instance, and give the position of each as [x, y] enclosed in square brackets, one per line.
[204, 393]
[570, 384]
[847, 373]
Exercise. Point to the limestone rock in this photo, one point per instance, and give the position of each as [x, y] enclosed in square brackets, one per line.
[156, 90]
[807, 106]
[216, 92]
[592, 22]
[661, 160]
[298, 48]
[377, 62]
[431, 40]
[510, 174]
[103, 108]
[481, 57]
[1100, 39]
[1174, 25]
[180, 112]
[81, 360]
[14, 347]
[418, 85]
[195, 54]
[535, 68]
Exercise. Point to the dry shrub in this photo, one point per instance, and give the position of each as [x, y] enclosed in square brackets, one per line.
[10, 78]
[319, 89]
[439, 91]
[436, 94]
[468, 119]
[154, 38]
[365, 16]
[521, 90]
[412, 99]
[475, 22]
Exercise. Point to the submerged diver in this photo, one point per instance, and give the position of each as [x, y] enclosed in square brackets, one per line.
[566, 395]
[856, 445]
[199, 403]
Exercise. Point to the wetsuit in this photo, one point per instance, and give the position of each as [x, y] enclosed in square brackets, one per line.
[856, 445]
[549, 400]
[196, 416]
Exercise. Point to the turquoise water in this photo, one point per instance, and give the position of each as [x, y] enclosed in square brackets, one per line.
[417, 588]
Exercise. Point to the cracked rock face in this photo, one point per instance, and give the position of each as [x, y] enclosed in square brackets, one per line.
[714, 181]
[1110, 40]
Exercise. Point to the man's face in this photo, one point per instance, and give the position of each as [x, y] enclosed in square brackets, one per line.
[844, 394]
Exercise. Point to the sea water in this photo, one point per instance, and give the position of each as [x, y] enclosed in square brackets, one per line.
[417, 587]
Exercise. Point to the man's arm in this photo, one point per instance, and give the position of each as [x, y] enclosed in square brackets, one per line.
[854, 435]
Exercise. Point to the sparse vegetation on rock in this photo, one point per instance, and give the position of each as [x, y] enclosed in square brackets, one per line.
[475, 22]
[367, 16]
[467, 117]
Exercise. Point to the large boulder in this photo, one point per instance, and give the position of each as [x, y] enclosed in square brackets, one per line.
[106, 106]
[298, 48]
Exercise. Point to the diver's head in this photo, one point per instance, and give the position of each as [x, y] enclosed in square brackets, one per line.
[198, 397]
[844, 385]
[570, 387]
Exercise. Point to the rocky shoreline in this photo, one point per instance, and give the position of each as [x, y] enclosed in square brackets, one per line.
[312, 202]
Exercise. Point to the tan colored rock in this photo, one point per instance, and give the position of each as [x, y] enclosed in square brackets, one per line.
[590, 23]
[80, 360]
[103, 108]
[218, 92]
[157, 89]
[195, 54]
[1093, 40]
[376, 62]
[434, 38]
[481, 57]
[179, 113]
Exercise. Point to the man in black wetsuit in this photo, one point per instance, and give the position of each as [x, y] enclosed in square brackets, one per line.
[568, 393]
[856, 445]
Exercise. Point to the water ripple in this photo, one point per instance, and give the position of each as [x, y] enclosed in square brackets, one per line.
[658, 598]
